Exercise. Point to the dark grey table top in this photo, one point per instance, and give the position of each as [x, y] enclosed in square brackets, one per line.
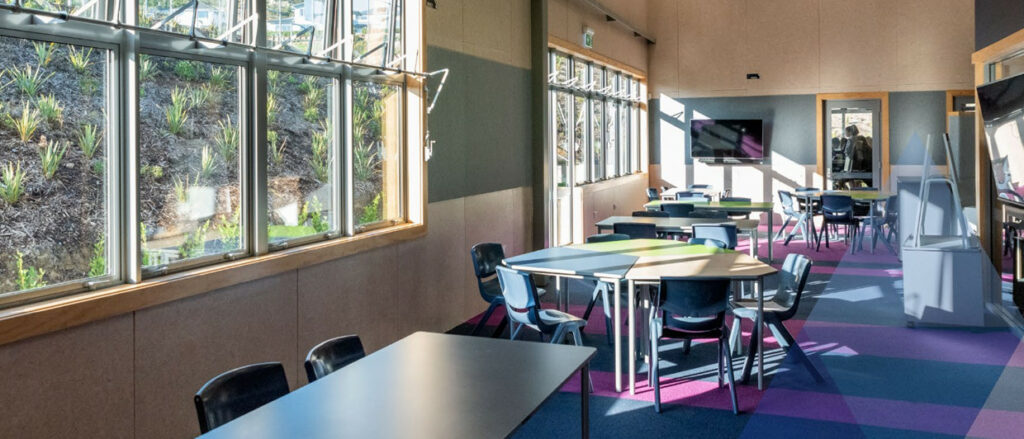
[424, 386]
[569, 261]
[675, 224]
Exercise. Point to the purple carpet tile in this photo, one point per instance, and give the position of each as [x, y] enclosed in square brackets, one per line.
[990, 348]
[998, 424]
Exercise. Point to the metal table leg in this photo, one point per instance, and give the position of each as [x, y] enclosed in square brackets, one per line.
[631, 288]
[585, 400]
[617, 337]
[759, 287]
[770, 219]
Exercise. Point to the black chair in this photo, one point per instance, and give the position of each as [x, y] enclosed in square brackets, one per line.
[892, 217]
[689, 309]
[677, 210]
[783, 306]
[237, 392]
[713, 214]
[698, 186]
[652, 194]
[606, 237]
[486, 256]
[331, 355]
[684, 195]
[815, 204]
[636, 230]
[707, 242]
[804, 223]
[651, 214]
[727, 233]
[837, 210]
[736, 213]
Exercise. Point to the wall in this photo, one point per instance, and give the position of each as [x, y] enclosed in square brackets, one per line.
[995, 20]
[134, 375]
[566, 19]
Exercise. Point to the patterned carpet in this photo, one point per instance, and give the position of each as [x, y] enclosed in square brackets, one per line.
[883, 379]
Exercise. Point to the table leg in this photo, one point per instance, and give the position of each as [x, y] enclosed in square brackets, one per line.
[617, 336]
[631, 288]
[585, 400]
[770, 219]
[759, 287]
[874, 227]
[563, 286]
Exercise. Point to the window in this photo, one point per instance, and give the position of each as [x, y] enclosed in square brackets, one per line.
[217, 20]
[597, 137]
[376, 153]
[297, 25]
[611, 139]
[55, 167]
[579, 138]
[377, 31]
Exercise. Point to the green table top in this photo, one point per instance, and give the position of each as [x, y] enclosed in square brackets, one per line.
[856, 195]
[724, 205]
[650, 247]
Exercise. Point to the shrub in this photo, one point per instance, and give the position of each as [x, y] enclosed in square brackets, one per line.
[98, 263]
[271, 109]
[320, 160]
[177, 112]
[199, 96]
[98, 166]
[313, 98]
[146, 257]
[89, 139]
[273, 79]
[26, 124]
[79, 59]
[181, 188]
[311, 213]
[371, 212]
[195, 242]
[28, 80]
[227, 141]
[44, 53]
[307, 85]
[12, 179]
[276, 149]
[29, 278]
[146, 68]
[206, 165]
[186, 70]
[50, 155]
[219, 78]
[51, 109]
[152, 171]
[364, 162]
[229, 230]
[89, 85]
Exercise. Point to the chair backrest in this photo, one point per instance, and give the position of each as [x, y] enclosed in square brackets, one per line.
[331, 355]
[521, 299]
[652, 194]
[864, 188]
[726, 233]
[607, 237]
[677, 210]
[651, 214]
[806, 189]
[636, 230]
[689, 297]
[786, 199]
[837, 207]
[713, 214]
[699, 186]
[486, 256]
[707, 242]
[682, 195]
[792, 281]
[237, 392]
[892, 206]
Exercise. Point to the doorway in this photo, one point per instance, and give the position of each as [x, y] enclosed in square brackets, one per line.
[853, 143]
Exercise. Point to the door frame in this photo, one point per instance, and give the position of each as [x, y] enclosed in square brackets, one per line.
[883, 132]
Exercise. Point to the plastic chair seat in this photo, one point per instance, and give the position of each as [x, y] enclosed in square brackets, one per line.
[747, 309]
[694, 327]
[556, 317]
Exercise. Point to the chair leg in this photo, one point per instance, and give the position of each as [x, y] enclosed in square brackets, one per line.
[721, 346]
[732, 382]
[735, 335]
[783, 228]
[501, 327]
[654, 373]
[607, 316]
[593, 300]
[748, 365]
[485, 318]
[559, 336]
[686, 347]
[577, 339]
[787, 342]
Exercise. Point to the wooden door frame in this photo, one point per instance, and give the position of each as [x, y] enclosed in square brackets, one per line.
[882, 134]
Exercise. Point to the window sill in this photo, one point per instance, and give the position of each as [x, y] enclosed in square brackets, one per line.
[40, 318]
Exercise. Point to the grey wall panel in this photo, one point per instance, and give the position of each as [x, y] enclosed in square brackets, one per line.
[481, 124]
[912, 117]
[996, 19]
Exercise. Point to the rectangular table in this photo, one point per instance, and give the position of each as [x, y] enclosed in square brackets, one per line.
[733, 206]
[644, 261]
[872, 198]
[684, 225]
[424, 386]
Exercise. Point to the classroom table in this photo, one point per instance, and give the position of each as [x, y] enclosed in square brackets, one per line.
[684, 225]
[424, 386]
[872, 198]
[670, 194]
[734, 206]
[644, 262]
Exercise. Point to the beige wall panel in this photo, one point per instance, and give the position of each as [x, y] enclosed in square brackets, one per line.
[858, 41]
[519, 39]
[784, 49]
[444, 25]
[566, 20]
[711, 46]
[488, 29]
[490, 217]
[558, 19]
[522, 225]
[935, 47]
[664, 56]
[181, 345]
[73, 383]
[349, 296]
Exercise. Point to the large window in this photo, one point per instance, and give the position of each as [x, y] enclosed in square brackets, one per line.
[206, 134]
[603, 107]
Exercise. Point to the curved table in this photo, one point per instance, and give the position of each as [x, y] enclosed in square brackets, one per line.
[870, 197]
[645, 262]
[685, 225]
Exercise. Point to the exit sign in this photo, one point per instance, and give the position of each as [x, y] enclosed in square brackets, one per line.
[588, 37]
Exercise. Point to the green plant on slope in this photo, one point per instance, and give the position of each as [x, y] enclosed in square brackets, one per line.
[311, 212]
[89, 140]
[307, 85]
[50, 155]
[28, 80]
[98, 263]
[79, 59]
[44, 53]
[177, 112]
[26, 124]
[276, 149]
[227, 141]
[311, 114]
[147, 256]
[320, 160]
[219, 77]
[195, 242]
[273, 79]
[28, 278]
[371, 212]
[207, 165]
[12, 183]
[230, 231]
[98, 166]
[153, 171]
[271, 109]
[181, 188]
[51, 109]
[186, 70]
[147, 68]
[199, 96]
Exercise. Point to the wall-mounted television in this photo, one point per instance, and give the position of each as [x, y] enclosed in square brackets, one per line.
[727, 140]
[1002, 108]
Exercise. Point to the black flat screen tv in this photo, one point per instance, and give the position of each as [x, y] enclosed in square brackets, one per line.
[727, 140]
[1002, 108]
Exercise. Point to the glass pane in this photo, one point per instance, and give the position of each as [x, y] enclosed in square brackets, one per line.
[53, 206]
[214, 18]
[80, 8]
[597, 146]
[596, 78]
[851, 132]
[624, 137]
[561, 69]
[635, 138]
[189, 152]
[294, 24]
[562, 117]
[609, 82]
[579, 139]
[579, 73]
[301, 152]
[610, 135]
[376, 31]
[376, 167]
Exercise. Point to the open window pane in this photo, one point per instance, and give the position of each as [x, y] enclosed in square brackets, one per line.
[190, 154]
[597, 144]
[624, 142]
[53, 165]
[376, 153]
[610, 135]
[214, 19]
[295, 24]
[376, 31]
[579, 138]
[301, 152]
